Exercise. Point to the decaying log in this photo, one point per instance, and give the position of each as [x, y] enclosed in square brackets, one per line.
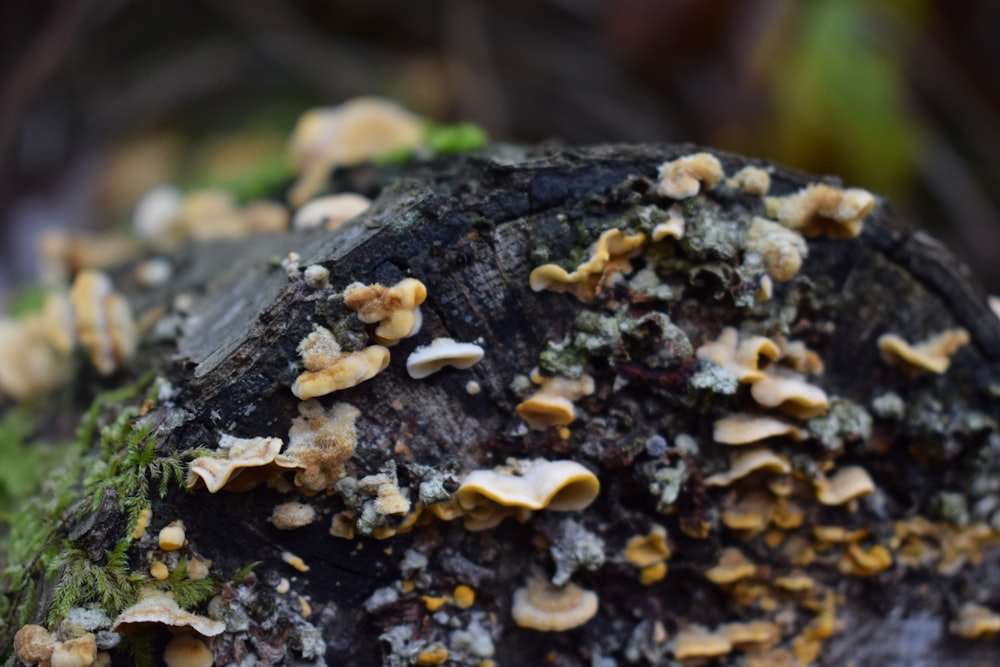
[472, 229]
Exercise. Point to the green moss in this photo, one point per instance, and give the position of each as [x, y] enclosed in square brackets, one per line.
[459, 138]
[82, 581]
[244, 571]
[264, 181]
[27, 300]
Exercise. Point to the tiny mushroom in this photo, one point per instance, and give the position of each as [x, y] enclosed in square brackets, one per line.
[104, 321]
[695, 641]
[743, 359]
[320, 442]
[289, 516]
[646, 550]
[744, 429]
[782, 249]
[429, 359]
[157, 608]
[331, 211]
[396, 309]
[172, 536]
[686, 176]
[751, 180]
[975, 621]
[330, 369]
[187, 651]
[541, 606]
[248, 462]
[791, 394]
[29, 365]
[732, 567]
[847, 484]
[745, 461]
[609, 257]
[932, 355]
[562, 486]
[821, 209]
[674, 227]
[33, 644]
[552, 403]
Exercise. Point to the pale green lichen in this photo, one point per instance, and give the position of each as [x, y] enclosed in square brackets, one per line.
[713, 378]
[665, 482]
[575, 547]
[950, 506]
[889, 405]
[844, 421]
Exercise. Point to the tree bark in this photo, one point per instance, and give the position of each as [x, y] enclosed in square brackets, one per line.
[472, 229]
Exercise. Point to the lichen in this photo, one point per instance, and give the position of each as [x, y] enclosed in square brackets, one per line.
[575, 548]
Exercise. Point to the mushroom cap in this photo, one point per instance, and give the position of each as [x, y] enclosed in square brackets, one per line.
[646, 550]
[823, 209]
[743, 429]
[847, 483]
[684, 177]
[429, 359]
[77, 652]
[695, 641]
[542, 411]
[932, 355]
[242, 453]
[348, 371]
[289, 516]
[732, 566]
[331, 211]
[674, 227]
[187, 651]
[33, 644]
[751, 180]
[161, 609]
[563, 486]
[608, 257]
[975, 621]
[790, 394]
[541, 606]
[746, 461]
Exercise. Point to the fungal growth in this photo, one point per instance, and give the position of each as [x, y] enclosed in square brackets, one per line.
[241, 465]
[552, 403]
[429, 359]
[541, 606]
[609, 257]
[395, 309]
[686, 176]
[823, 210]
[330, 212]
[104, 321]
[156, 608]
[932, 355]
[320, 442]
[330, 369]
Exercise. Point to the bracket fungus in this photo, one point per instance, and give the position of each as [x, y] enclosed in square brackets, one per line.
[541, 606]
[821, 209]
[695, 641]
[742, 359]
[688, 175]
[486, 497]
[932, 355]
[781, 248]
[732, 567]
[330, 212]
[790, 394]
[751, 180]
[975, 621]
[320, 442]
[156, 608]
[187, 651]
[552, 403]
[745, 461]
[609, 257]
[330, 369]
[847, 484]
[248, 462]
[745, 429]
[396, 309]
[673, 228]
[104, 321]
[429, 359]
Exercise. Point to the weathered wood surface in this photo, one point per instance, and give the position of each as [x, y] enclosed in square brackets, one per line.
[472, 229]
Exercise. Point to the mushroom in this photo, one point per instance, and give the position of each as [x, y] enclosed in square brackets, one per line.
[742, 359]
[674, 227]
[860, 563]
[751, 180]
[744, 429]
[932, 355]
[187, 651]
[751, 513]
[609, 257]
[695, 641]
[781, 248]
[34, 645]
[320, 442]
[429, 359]
[29, 365]
[104, 321]
[157, 608]
[396, 309]
[790, 394]
[541, 606]
[172, 537]
[247, 463]
[686, 176]
[289, 516]
[650, 549]
[847, 484]
[975, 621]
[823, 209]
[732, 567]
[745, 461]
[330, 369]
[330, 212]
[552, 403]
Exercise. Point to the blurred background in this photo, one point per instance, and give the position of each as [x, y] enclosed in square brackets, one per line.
[102, 99]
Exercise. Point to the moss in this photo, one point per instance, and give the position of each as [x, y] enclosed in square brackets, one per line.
[26, 300]
[82, 581]
[459, 138]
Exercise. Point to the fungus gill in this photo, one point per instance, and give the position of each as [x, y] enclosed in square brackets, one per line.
[232, 471]
[156, 608]
[429, 359]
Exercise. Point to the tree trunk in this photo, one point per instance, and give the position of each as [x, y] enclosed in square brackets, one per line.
[471, 230]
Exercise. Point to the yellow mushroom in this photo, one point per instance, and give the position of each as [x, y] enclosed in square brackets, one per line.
[751, 180]
[847, 484]
[330, 212]
[695, 641]
[686, 176]
[396, 309]
[758, 634]
[650, 549]
[790, 394]
[609, 257]
[104, 321]
[674, 227]
[329, 369]
[172, 537]
[782, 249]
[823, 209]
[751, 513]
[187, 651]
[745, 429]
[732, 567]
[541, 606]
[552, 403]
[932, 355]
[745, 461]
[245, 463]
[33, 644]
[743, 359]
[975, 621]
